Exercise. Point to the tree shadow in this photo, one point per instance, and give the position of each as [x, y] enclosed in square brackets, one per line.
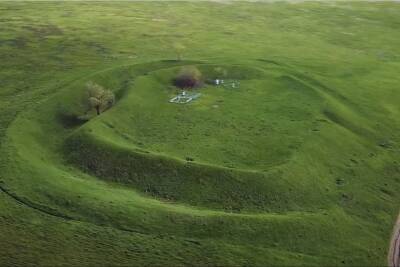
[71, 120]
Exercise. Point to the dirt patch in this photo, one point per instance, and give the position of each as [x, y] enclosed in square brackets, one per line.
[394, 249]
[45, 31]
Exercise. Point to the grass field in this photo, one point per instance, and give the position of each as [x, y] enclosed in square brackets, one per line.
[299, 165]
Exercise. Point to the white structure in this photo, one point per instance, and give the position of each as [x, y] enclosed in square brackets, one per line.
[228, 83]
[184, 98]
[218, 81]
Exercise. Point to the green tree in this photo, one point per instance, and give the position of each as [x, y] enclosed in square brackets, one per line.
[99, 98]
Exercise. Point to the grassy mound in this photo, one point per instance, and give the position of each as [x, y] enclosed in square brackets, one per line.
[226, 150]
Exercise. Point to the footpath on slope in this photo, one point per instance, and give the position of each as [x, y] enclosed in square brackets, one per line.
[394, 249]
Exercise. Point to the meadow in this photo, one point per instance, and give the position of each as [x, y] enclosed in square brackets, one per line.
[299, 165]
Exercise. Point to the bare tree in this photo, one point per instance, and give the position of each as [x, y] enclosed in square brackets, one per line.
[99, 98]
[179, 49]
[221, 72]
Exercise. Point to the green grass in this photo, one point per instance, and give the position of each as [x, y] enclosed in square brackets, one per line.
[298, 166]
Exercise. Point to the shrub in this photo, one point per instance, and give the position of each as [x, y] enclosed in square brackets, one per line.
[188, 77]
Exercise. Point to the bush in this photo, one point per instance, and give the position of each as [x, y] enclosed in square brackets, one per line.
[188, 77]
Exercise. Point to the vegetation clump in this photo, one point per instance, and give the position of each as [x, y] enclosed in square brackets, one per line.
[98, 98]
[188, 77]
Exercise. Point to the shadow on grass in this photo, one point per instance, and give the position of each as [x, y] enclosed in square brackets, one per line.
[71, 120]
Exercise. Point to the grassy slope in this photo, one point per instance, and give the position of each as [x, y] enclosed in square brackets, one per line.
[41, 53]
